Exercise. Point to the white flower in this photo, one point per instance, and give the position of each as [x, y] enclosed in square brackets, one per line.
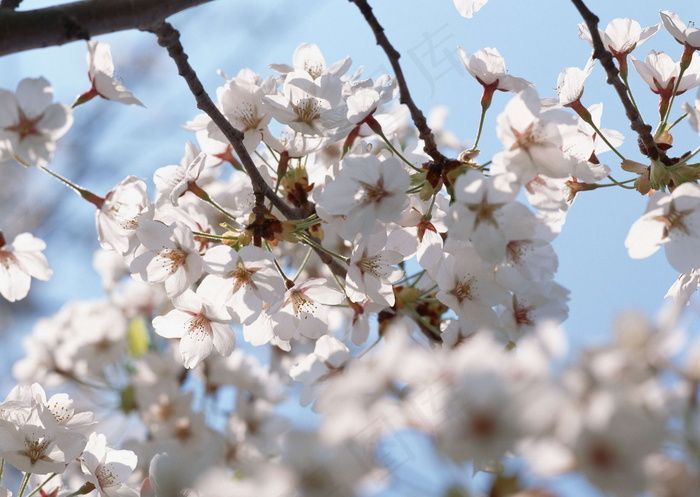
[468, 286]
[304, 308]
[30, 123]
[621, 35]
[34, 442]
[371, 271]
[467, 8]
[118, 218]
[243, 281]
[241, 101]
[168, 256]
[671, 220]
[570, 83]
[534, 139]
[60, 405]
[199, 323]
[101, 74]
[108, 469]
[479, 411]
[329, 355]
[533, 306]
[19, 262]
[661, 73]
[367, 97]
[478, 211]
[614, 441]
[688, 36]
[308, 59]
[312, 107]
[693, 112]
[684, 287]
[489, 69]
[367, 190]
[173, 181]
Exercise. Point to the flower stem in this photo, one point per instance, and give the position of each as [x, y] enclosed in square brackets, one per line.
[289, 283]
[36, 490]
[303, 264]
[197, 190]
[621, 183]
[306, 239]
[395, 151]
[664, 122]
[481, 127]
[602, 137]
[94, 199]
[677, 121]
[23, 485]
[629, 92]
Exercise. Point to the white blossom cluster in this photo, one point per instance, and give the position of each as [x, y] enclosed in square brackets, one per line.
[401, 296]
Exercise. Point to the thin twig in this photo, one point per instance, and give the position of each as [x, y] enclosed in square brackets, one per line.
[425, 133]
[169, 38]
[647, 143]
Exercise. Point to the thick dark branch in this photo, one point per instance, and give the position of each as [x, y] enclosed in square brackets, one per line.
[647, 143]
[10, 4]
[80, 21]
[169, 38]
[419, 120]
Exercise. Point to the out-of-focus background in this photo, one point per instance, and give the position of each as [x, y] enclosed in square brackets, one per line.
[108, 141]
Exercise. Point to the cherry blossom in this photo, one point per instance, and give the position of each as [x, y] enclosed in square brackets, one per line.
[118, 218]
[245, 281]
[328, 357]
[102, 80]
[694, 113]
[241, 101]
[307, 58]
[662, 75]
[467, 285]
[621, 35]
[313, 107]
[671, 220]
[407, 292]
[371, 271]
[303, 311]
[30, 124]
[167, 255]
[20, 261]
[688, 36]
[200, 324]
[173, 181]
[108, 469]
[489, 69]
[34, 442]
[534, 139]
[480, 204]
[366, 190]
[570, 83]
[467, 8]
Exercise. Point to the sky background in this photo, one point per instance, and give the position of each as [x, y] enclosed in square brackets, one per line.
[536, 37]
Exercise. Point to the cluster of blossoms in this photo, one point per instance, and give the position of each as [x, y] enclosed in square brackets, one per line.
[446, 268]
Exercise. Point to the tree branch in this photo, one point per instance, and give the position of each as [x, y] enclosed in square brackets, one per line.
[169, 38]
[425, 133]
[10, 4]
[646, 140]
[79, 20]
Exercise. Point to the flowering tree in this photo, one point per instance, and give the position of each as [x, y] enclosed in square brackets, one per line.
[396, 284]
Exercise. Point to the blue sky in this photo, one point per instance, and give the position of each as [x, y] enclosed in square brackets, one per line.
[537, 38]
